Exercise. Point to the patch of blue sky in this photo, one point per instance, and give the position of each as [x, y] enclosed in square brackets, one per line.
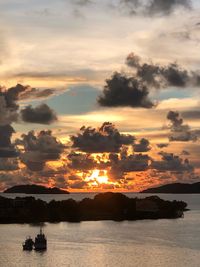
[174, 93]
[77, 100]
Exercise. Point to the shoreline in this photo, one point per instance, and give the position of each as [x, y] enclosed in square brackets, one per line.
[104, 206]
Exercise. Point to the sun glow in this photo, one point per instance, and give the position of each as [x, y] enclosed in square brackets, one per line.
[99, 176]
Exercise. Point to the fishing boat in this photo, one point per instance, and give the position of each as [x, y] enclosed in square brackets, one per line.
[40, 241]
[28, 244]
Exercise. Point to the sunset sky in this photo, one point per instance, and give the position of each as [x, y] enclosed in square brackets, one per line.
[99, 95]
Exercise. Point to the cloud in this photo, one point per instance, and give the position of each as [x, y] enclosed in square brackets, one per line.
[12, 94]
[104, 139]
[8, 164]
[81, 162]
[7, 149]
[162, 145]
[133, 60]
[166, 6]
[39, 148]
[79, 185]
[53, 172]
[123, 163]
[192, 114]
[9, 100]
[82, 2]
[172, 163]
[33, 93]
[115, 174]
[134, 163]
[142, 146]
[153, 7]
[121, 91]
[132, 88]
[185, 153]
[179, 130]
[8, 104]
[8, 114]
[162, 76]
[42, 114]
[8, 179]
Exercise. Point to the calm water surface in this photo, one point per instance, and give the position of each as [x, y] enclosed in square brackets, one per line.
[163, 243]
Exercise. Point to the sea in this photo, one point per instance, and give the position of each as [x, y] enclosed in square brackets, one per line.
[152, 243]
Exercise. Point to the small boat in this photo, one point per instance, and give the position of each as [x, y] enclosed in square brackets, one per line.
[40, 241]
[28, 244]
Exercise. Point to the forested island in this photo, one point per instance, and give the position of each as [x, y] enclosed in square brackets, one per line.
[175, 188]
[104, 206]
[35, 189]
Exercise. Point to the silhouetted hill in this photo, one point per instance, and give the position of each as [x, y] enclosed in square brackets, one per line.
[104, 206]
[35, 189]
[176, 188]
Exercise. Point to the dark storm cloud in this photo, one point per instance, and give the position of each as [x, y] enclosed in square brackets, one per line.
[179, 130]
[121, 90]
[38, 149]
[42, 114]
[153, 7]
[104, 139]
[142, 146]
[171, 162]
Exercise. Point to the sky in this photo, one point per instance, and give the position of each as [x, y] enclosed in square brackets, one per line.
[99, 95]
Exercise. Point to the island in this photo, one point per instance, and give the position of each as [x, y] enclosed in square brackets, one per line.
[104, 206]
[35, 189]
[175, 188]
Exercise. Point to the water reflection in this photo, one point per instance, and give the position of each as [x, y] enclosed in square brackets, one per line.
[163, 243]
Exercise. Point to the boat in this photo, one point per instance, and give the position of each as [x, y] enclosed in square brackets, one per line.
[40, 241]
[28, 244]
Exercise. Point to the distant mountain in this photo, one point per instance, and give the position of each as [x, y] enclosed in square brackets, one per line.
[35, 189]
[176, 188]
